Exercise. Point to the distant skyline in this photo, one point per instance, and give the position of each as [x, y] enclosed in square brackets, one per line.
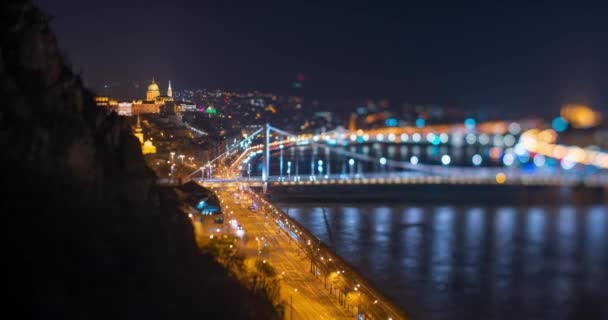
[520, 58]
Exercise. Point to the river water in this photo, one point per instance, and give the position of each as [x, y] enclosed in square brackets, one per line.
[473, 262]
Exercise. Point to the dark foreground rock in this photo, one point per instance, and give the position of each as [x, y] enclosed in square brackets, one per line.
[87, 234]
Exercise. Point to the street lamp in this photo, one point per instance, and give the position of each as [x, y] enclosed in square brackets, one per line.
[357, 295]
[351, 163]
[291, 298]
[383, 163]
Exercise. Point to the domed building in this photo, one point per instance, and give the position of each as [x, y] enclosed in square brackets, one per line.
[155, 102]
[153, 91]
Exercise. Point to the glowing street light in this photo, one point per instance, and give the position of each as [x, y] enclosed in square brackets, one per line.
[414, 160]
[291, 302]
[383, 163]
[445, 160]
[477, 159]
[351, 164]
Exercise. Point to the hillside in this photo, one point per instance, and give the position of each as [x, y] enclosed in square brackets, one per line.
[87, 232]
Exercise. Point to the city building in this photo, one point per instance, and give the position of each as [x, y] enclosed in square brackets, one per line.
[154, 100]
[153, 91]
[147, 147]
[104, 101]
[145, 108]
[125, 108]
[138, 132]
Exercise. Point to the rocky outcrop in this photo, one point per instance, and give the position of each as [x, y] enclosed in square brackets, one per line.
[88, 233]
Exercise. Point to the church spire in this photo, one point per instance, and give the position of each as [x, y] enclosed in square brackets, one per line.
[169, 90]
[138, 131]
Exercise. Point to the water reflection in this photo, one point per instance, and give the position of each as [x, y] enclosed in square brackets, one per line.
[453, 262]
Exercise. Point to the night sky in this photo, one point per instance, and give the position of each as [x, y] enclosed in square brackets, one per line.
[529, 57]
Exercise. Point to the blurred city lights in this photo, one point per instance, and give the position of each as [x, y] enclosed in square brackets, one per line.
[567, 164]
[416, 137]
[470, 123]
[559, 124]
[420, 123]
[539, 160]
[445, 159]
[501, 178]
[514, 128]
[477, 159]
[484, 139]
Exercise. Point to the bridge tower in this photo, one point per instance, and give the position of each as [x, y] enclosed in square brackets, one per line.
[266, 166]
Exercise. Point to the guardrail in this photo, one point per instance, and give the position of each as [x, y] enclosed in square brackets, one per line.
[499, 178]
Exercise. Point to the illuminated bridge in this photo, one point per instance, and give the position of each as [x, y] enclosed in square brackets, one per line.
[501, 154]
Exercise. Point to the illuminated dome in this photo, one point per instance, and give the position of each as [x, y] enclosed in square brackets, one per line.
[153, 91]
[153, 87]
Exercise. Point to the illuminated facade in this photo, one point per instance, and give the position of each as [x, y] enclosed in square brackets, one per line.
[148, 148]
[163, 99]
[153, 91]
[125, 109]
[153, 94]
[103, 101]
[145, 108]
[152, 104]
[138, 132]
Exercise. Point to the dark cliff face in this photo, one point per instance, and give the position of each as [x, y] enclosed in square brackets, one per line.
[88, 235]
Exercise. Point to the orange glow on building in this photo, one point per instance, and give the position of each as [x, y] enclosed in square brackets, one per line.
[103, 101]
[145, 108]
[580, 116]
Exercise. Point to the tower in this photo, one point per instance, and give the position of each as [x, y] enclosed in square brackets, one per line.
[169, 90]
[139, 131]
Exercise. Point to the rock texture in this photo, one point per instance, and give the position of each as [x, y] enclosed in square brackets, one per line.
[88, 234]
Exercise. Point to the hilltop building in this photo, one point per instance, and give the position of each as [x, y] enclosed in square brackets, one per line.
[154, 102]
[153, 91]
